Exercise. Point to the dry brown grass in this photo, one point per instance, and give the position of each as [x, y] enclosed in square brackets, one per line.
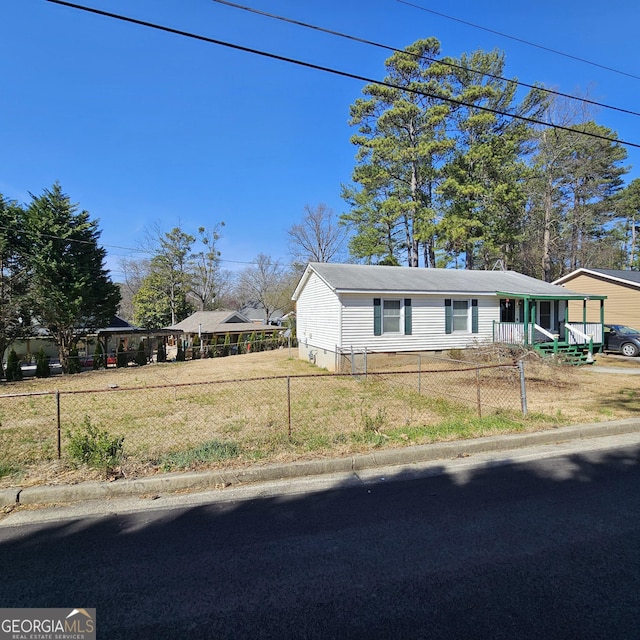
[330, 416]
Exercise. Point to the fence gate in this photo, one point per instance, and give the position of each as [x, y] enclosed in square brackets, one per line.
[353, 361]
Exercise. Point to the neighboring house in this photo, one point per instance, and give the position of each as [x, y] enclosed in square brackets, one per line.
[343, 307]
[256, 313]
[622, 289]
[211, 327]
[118, 332]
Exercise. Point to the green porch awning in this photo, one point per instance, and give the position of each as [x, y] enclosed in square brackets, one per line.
[545, 296]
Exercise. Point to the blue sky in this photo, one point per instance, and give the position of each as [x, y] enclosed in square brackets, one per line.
[144, 127]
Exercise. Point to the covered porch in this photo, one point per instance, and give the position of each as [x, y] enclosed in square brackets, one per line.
[543, 323]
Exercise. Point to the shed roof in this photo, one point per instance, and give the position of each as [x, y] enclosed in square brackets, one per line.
[356, 278]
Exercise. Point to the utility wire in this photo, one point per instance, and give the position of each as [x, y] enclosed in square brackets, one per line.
[506, 35]
[337, 72]
[423, 57]
[109, 246]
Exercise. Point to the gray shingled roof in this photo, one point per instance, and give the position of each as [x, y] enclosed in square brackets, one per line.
[619, 274]
[211, 321]
[344, 278]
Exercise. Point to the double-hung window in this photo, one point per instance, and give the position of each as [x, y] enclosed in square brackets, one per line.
[392, 316]
[461, 316]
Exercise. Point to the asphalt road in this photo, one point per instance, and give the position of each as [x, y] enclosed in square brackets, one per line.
[543, 549]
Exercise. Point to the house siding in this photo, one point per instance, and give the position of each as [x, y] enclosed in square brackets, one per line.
[428, 324]
[622, 305]
[318, 312]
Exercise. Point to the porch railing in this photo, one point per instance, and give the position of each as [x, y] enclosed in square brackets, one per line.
[581, 333]
[509, 332]
[584, 332]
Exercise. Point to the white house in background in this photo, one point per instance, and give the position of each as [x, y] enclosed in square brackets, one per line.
[344, 307]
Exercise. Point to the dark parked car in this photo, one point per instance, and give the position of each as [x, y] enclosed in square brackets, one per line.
[624, 340]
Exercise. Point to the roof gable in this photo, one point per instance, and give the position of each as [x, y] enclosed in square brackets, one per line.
[614, 275]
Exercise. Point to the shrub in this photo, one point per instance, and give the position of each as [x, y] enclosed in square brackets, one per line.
[161, 354]
[42, 364]
[98, 357]
[74, 361]
[121, 357]
[141, 355]
[13, 372]
[226, 347]
[95, 448]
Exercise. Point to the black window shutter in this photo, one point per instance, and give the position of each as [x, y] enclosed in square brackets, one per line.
[377, 317]
[408, 320]
[448, 316]
[474, 316]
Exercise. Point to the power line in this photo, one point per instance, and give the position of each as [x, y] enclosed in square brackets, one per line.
[337, 72]
[506, 35]
[110, 246]
[421, 57]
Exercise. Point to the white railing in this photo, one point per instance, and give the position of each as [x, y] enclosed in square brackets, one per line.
[508, 332]
[577, 333]
[584, 332]
[544, 332]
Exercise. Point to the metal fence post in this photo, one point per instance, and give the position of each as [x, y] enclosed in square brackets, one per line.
[419, 374]
[478, 392]
[353, 364]
[365, 363]
[58, 424]
[523, 388]
[289, 404]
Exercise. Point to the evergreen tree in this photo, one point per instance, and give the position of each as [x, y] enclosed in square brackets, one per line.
[402, 141]
[70, 290]
[226, 346]
[42, 364]
[141, 354]
[14, 276]
[73, 365]
[484, 199]
[121, 357]
[13, 372]
[161, 353]
[99, 361]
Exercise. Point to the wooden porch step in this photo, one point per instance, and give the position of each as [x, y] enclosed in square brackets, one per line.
[569, 353]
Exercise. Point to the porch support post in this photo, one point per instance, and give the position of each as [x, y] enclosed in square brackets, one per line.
[526, 322]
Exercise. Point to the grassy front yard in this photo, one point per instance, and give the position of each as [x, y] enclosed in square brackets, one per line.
[235, 411]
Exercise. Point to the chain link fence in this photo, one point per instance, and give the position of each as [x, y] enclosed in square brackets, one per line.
[259, 419]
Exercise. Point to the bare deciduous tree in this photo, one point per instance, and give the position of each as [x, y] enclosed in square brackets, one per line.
[267, 283]
[319, 237]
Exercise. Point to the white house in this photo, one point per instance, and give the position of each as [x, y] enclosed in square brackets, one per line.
[340, 307]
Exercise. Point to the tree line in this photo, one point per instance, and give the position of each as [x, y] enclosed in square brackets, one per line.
[445, 176]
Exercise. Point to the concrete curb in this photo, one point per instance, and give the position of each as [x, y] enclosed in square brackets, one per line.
[173, 482]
